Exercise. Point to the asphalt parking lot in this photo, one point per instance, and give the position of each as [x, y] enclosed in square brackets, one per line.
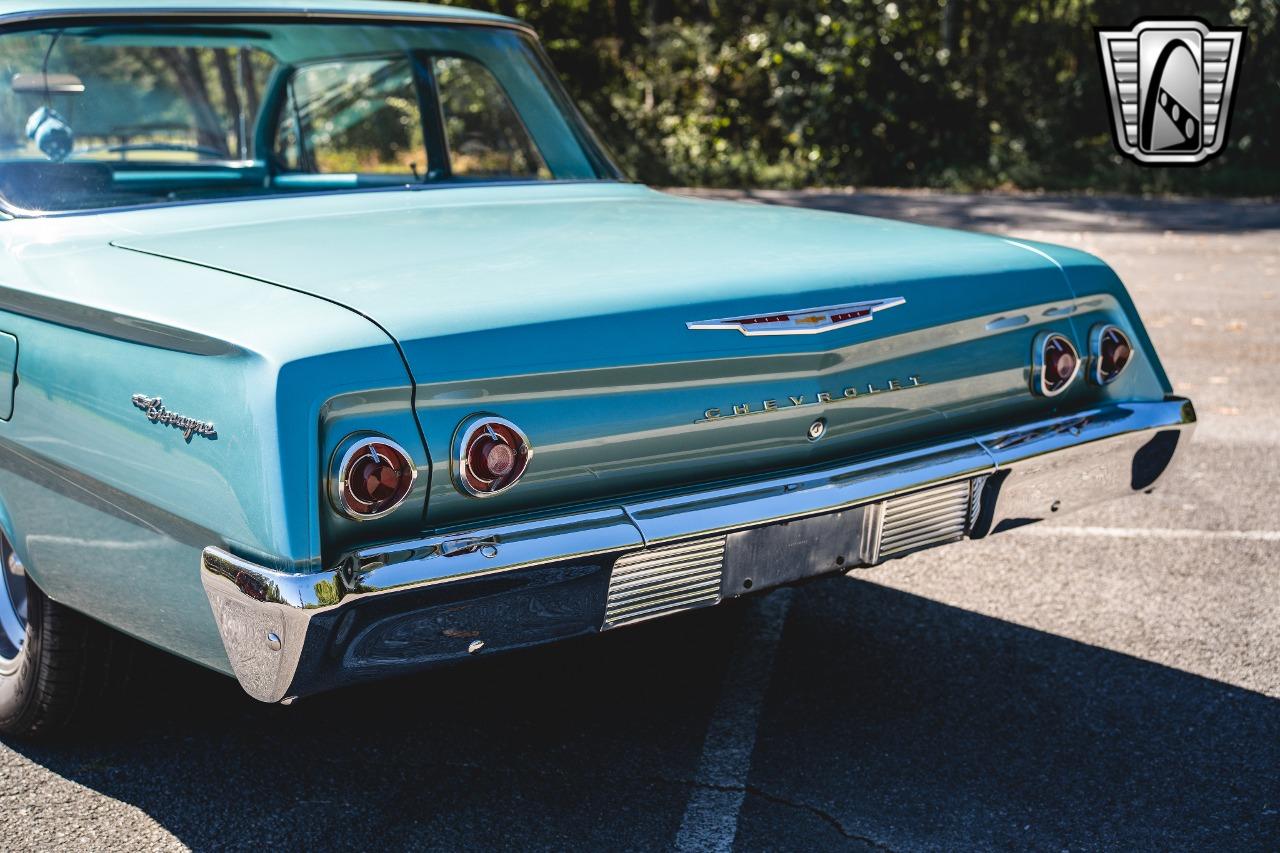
[1107, 681]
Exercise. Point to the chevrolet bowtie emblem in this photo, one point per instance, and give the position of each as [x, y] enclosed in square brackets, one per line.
[806, 321]
[1171, 84]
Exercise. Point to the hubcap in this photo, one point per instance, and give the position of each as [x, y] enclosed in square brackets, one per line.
[13, 601]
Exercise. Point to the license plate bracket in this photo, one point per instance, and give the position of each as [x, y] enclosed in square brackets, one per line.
[789, 551]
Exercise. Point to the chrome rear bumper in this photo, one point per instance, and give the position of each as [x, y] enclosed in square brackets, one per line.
[396, 607]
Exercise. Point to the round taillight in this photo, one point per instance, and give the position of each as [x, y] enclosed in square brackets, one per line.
[1054, 364]
[490, 455]
[372, 477]
[1111, 351]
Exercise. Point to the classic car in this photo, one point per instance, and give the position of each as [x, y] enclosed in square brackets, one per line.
[334, 346]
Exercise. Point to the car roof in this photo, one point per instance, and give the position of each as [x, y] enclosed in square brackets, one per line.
[19, 10]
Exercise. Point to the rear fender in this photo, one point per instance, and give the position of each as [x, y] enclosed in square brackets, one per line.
[1102, 298]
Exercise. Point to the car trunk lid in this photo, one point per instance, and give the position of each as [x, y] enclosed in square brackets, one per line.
[566, 309]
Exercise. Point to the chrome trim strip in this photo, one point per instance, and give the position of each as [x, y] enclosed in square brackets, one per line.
[975, 500]
[926, 518]
[264, 616]
[1081, 429]
[787, 322]
[111, 324]
[451, 557]
[660, 581]
[872, 528]
[260, 13]
[782, 498]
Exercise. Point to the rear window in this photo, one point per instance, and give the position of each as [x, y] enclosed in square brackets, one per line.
[143, 111]
[482, 129]
[359, 116]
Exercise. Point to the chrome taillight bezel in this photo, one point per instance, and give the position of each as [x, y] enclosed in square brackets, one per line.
[1039, 384]
[1096, 337]
[349, 451]
[464, 479]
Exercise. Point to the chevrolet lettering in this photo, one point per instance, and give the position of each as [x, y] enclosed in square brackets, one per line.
[462, 404]
[821, 398]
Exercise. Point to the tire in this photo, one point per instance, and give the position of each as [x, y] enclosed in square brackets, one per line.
[59, 673]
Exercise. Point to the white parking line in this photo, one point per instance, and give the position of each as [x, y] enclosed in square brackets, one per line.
[1153, 533]
[710, 820]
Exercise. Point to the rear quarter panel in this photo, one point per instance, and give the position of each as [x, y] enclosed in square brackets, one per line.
[1101, 297]
[110, 511]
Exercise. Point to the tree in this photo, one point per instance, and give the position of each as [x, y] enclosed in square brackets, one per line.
[961, 93]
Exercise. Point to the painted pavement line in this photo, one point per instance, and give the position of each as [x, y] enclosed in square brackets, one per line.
[710, 820]
[1154, 533]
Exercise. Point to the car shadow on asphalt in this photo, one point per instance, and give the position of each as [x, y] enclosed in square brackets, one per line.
[891, 721]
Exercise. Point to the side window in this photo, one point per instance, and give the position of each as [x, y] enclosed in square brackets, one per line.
[357, 116]
[484, 134]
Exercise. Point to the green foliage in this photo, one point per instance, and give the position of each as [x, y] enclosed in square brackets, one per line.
[327, 593]
[946, 93]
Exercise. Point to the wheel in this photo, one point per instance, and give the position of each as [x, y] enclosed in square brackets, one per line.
[54, 662]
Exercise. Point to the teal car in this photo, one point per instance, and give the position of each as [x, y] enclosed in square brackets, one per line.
[333, 346]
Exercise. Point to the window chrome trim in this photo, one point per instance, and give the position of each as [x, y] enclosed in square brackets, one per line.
[9, 211]
[262, 13]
